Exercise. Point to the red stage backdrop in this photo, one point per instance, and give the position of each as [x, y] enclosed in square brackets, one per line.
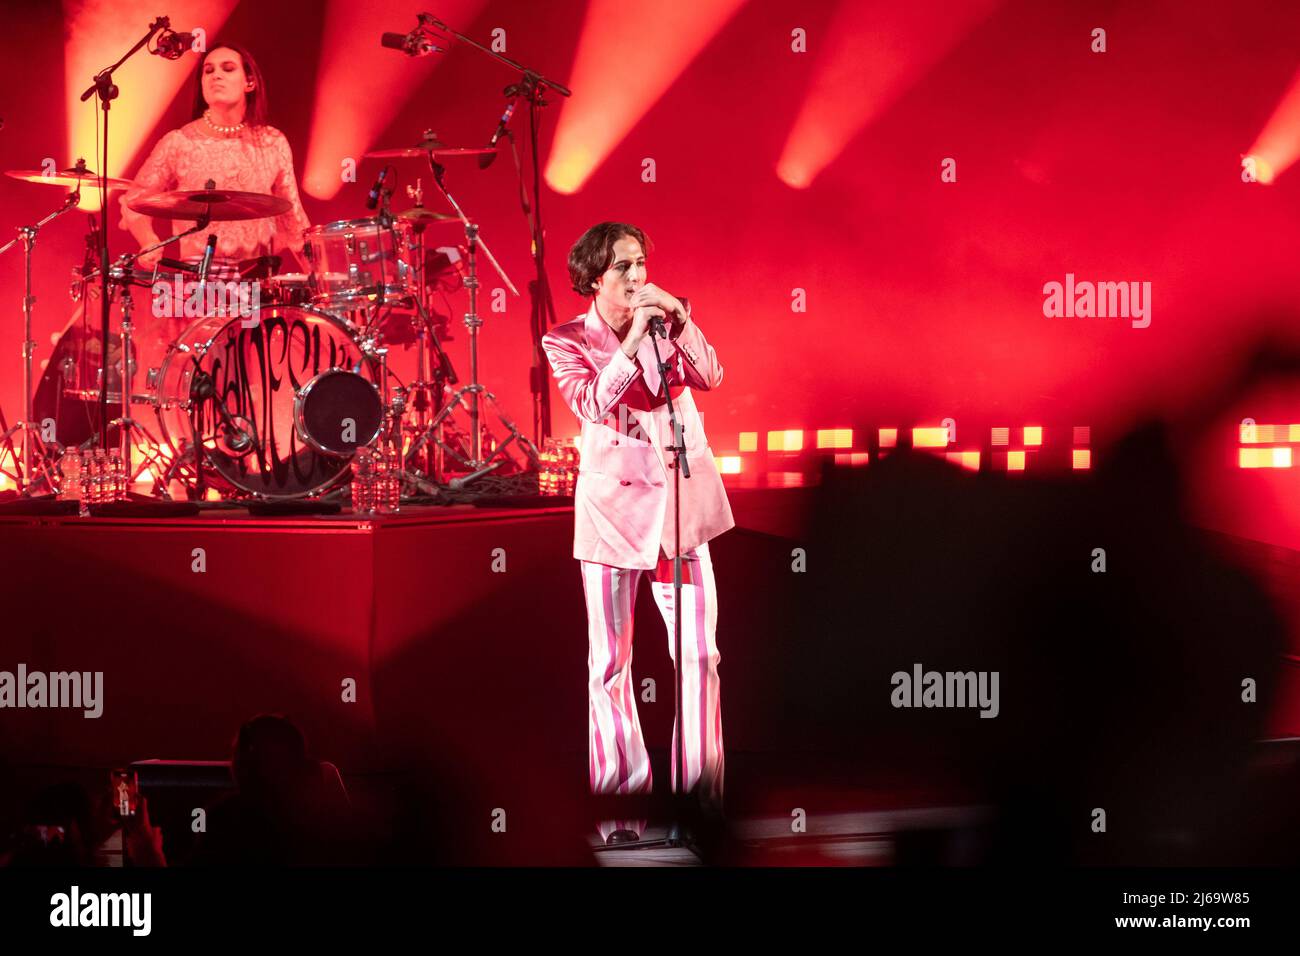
[863, 200]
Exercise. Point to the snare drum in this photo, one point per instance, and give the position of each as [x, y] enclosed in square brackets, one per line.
[352, 260]
[289, 288]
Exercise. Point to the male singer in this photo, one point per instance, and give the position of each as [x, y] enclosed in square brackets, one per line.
[604, 366]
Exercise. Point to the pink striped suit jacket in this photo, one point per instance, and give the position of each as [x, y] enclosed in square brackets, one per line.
[623, 504]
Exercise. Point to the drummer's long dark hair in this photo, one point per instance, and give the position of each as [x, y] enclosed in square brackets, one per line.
[254, 100]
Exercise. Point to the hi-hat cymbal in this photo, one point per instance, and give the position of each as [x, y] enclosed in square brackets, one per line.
[70, 177]
[422, 216]
[221, 205]
[430, 146]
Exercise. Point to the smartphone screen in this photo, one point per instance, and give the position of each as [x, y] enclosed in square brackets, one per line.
[125, 792]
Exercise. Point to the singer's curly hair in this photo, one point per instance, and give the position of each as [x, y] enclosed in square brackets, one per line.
[255, 103]
[593, 253]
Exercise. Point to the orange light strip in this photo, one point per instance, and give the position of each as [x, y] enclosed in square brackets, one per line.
[835, 438]
[1264, 457]
[929, 438]
[789, 440]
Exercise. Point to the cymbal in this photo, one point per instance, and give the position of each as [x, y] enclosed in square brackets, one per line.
[70, 177]
[422, 216]
[219, 204]
[430, 146]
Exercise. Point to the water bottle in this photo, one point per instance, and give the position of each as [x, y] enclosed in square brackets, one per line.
[84, 477]
[70, 475]
[383, 475]
[363, 481]
[116, 484]
[394, 481]
[99, 477]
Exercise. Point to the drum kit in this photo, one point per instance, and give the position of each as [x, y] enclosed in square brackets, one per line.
[269, 392]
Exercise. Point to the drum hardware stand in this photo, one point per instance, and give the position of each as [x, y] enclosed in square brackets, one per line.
[429, 381]
[432, 464]
[476, 463]
[37, 454]
[390, 429]
[421, 389]
[127, 426]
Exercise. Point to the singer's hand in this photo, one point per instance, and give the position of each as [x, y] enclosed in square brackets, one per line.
[640, 326]
[651, 295]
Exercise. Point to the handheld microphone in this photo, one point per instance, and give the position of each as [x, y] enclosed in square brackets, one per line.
[372, 197]
[657, 321]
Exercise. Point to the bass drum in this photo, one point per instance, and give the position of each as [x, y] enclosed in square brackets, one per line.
[236, 390]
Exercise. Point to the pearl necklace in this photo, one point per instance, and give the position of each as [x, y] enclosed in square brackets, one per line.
[221, 129]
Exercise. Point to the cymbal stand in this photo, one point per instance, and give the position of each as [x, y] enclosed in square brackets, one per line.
[475, 462]
[420, 388]
[128, 427]
[37, 454]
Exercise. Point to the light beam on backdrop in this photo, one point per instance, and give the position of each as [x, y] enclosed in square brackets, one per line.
[1278, 144]
[626, 59]
[99, 32]
[361, 86]
[872, 52]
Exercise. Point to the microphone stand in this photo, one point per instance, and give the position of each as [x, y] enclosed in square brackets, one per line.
[104, 87]
[681, 469]
[532, 87]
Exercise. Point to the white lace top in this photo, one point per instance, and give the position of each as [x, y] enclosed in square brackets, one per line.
[257, 160]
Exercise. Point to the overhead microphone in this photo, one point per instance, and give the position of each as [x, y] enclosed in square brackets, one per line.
[173, 46]
[372, 197]
[206, 262]
[485, 161]
[412, 44]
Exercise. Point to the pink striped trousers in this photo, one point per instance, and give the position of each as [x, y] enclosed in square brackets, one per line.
[618, 761]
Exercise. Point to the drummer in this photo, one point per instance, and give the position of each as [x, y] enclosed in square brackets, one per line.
[230, 143]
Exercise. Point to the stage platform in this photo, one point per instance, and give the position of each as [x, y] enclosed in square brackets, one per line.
[397, 639]
[388, 638]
